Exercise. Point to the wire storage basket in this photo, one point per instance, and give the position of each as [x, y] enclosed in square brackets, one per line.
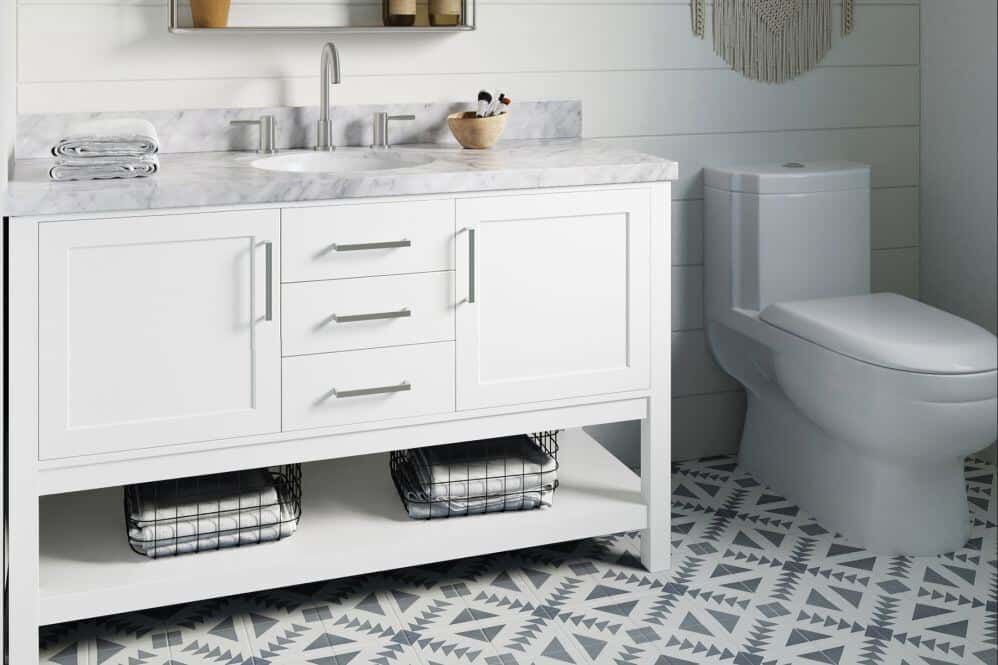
[476, 477]
[203, 513]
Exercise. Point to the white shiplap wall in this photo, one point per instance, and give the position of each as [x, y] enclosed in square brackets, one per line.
[8, 87]
[644, 80]
[959, 190]
[959, 185]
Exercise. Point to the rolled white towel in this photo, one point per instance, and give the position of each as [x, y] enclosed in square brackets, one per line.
[109, 137]
[102, 168]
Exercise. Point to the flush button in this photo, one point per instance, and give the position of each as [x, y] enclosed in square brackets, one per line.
[793, 165]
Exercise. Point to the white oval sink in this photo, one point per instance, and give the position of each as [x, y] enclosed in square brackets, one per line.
[339, 162]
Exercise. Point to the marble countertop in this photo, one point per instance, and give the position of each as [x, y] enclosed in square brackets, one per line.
[226, 178]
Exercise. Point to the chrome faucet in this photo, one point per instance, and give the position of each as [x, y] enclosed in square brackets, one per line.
[329, 74]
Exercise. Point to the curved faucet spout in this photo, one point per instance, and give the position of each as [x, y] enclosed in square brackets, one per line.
[330, 63]
[329, 74]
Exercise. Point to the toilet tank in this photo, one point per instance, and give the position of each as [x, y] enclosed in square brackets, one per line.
[782, 232]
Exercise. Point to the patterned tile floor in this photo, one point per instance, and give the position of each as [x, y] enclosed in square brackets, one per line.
[754, 581]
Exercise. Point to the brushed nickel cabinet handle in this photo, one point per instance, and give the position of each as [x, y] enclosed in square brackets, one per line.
[471, 265]
[403, 313]
[356, 247]
[268, 314]
[380, 390]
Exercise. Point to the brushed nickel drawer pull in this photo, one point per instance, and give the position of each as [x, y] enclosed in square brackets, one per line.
[355, 247]
[380, 390]
[374, 316]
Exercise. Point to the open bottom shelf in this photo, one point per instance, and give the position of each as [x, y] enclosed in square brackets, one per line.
[352, 522]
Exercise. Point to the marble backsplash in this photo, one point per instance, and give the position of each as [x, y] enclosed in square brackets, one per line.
[208, 130]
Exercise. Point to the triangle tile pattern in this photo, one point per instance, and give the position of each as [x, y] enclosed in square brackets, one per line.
[754, 581]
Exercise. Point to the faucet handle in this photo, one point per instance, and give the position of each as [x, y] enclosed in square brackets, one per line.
[380, 128]
[268, 132]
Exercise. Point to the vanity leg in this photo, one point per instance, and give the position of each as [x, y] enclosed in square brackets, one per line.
[656, 428]
[22, 590]
[21, 420]
[655, 490]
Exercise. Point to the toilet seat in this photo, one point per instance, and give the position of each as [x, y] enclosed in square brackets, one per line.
[889, 331]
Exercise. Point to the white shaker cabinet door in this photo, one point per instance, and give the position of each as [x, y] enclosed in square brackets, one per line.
[158, 330]
[553, 296]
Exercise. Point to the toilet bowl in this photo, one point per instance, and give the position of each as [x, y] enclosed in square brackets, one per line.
[861, 407]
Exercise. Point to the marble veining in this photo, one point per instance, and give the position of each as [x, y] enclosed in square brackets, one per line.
[208, 130]
[227, 178]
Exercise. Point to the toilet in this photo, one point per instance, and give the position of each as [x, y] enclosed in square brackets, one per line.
[861, 407]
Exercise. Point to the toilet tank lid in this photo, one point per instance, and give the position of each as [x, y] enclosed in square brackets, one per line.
[789, 177]
[891, 331]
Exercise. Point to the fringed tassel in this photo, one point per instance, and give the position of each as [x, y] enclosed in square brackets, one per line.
[745, 42]
[848, 15]
[699, 17]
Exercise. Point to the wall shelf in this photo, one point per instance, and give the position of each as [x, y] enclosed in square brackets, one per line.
[322, 30]
[178, 26]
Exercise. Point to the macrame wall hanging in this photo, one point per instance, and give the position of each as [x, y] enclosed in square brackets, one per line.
[771, 40]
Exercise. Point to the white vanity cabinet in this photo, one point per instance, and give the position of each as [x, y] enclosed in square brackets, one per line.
[157, 330]
[173, 343]
[555, 296]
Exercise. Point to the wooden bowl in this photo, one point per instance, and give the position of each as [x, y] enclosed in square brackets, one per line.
[476, 133]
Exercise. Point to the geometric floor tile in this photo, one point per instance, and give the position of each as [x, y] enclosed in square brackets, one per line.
[394, 650]
[470, 646]
[608, 639]
[754, 581]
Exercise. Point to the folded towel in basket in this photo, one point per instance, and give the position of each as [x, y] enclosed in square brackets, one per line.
[223, 494]
[421, 506]
[213, 523]
[511, 473]
[109, 137]
[103, 168]
[280, 525]
[208, 512]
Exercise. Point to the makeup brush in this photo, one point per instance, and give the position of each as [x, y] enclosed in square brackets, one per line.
[504, 105]
[484, 101]
[494, 106]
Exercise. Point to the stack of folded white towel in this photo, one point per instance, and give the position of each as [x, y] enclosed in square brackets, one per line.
[106, 148]
[509, 473]
[230, 509]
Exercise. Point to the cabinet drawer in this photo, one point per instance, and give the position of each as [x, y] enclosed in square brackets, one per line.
[363, 240]
[369, 312]
[361, 386]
